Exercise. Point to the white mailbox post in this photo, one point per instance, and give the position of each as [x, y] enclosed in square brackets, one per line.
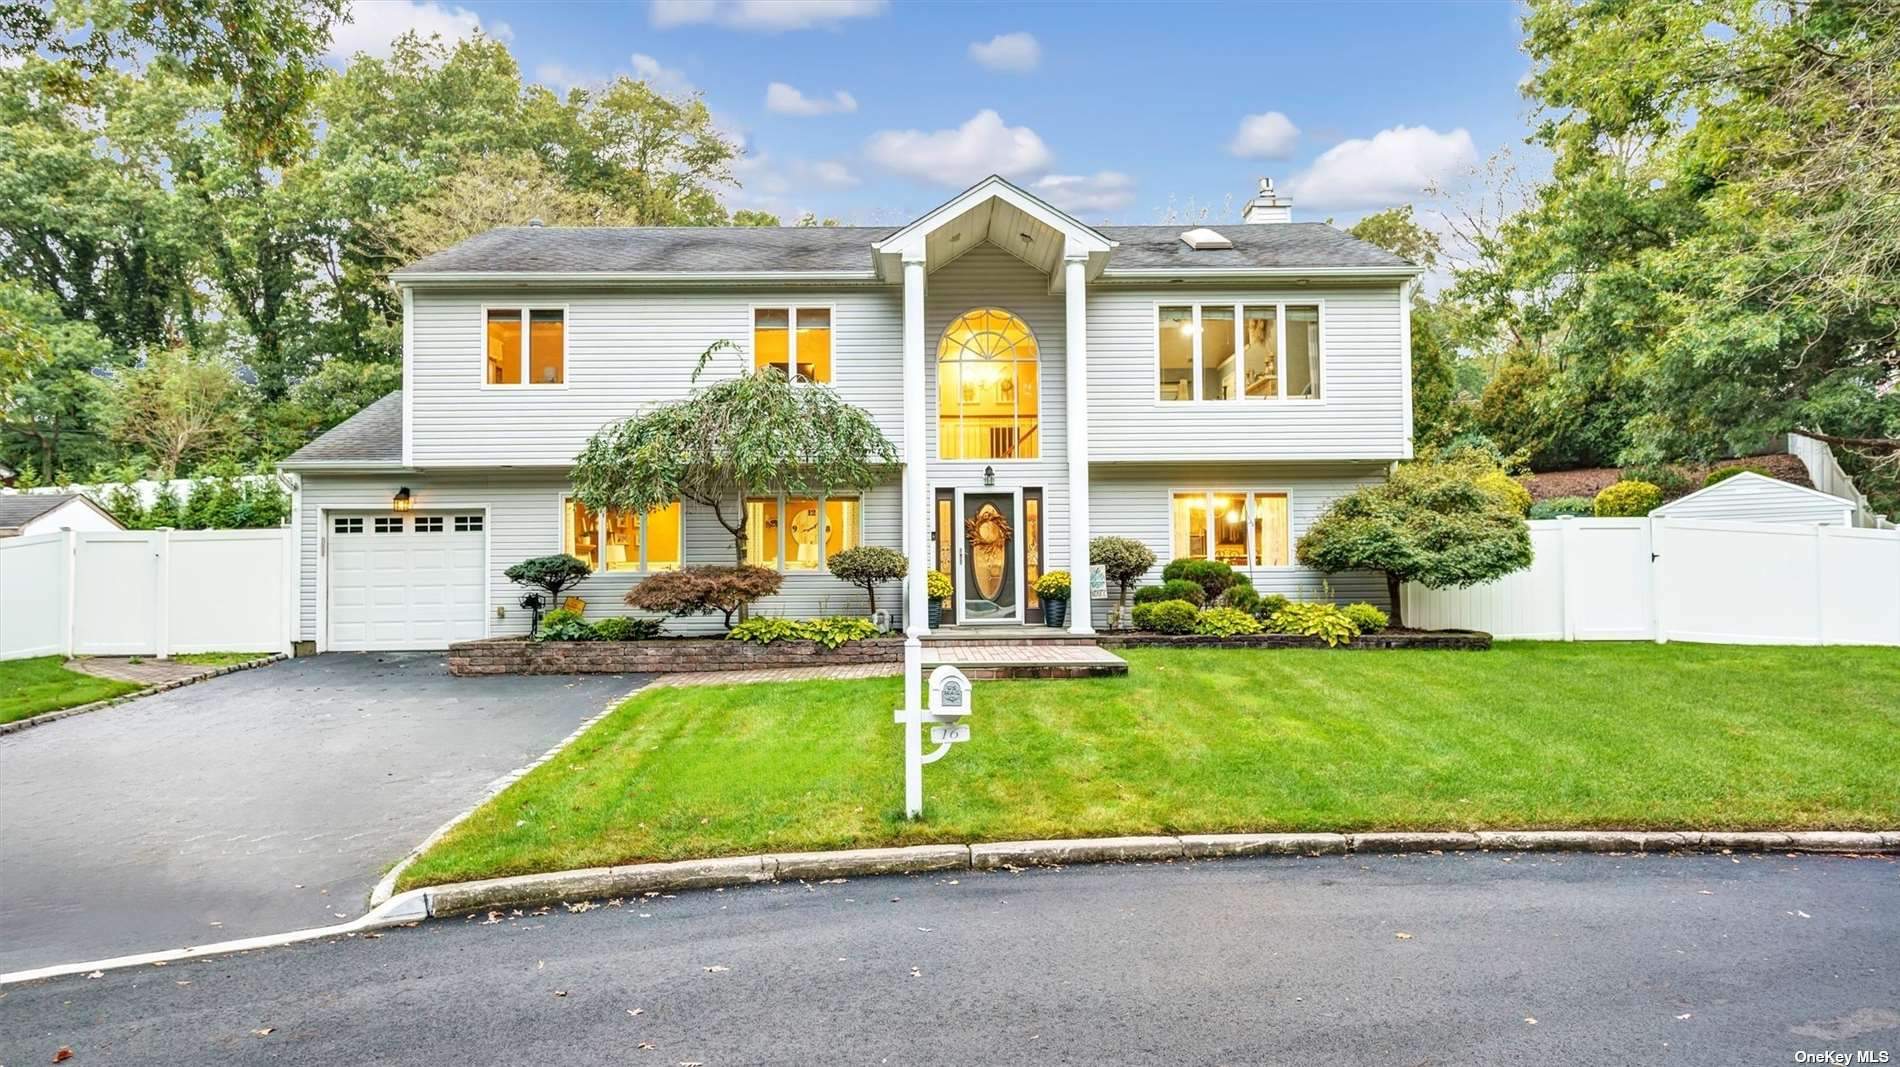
[949, 709]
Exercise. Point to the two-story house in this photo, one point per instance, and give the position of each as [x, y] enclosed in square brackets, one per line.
[1206, 390]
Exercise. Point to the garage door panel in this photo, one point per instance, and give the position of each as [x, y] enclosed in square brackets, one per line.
[406, 587]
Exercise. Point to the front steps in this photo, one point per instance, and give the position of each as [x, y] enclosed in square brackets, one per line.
[991, 652]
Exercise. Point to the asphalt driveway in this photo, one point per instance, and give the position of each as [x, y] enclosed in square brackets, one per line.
[257, 802]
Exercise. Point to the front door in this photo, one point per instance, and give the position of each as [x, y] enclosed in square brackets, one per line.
[989, 565]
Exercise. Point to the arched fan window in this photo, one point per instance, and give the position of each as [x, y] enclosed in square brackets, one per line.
[987, 388]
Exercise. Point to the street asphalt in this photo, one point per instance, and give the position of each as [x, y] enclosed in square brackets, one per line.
[254, 803]
[1462, 958]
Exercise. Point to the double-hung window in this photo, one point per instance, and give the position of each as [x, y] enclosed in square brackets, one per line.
[793, 340]
[1237, 351]
[526, 346]
[1242, 528]
[795, 534]
[616, 540]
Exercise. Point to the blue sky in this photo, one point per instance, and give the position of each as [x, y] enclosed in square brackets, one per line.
[874, 112]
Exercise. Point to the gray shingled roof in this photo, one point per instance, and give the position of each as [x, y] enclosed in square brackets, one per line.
[372, 435]
[839, 249]
[18, 509]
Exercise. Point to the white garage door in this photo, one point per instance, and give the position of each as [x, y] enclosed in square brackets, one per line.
[405, 581]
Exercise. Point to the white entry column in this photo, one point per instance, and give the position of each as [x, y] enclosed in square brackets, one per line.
[1075, 375]
[916, 486]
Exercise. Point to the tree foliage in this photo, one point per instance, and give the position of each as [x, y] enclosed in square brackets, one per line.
[1433, 523]
[704, 590]
[1124, 561]
[867, 565]
[755, 433]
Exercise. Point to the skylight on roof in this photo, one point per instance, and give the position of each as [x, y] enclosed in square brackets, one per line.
[1201, 238]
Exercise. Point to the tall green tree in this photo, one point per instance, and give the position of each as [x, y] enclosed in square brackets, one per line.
[1437, 416]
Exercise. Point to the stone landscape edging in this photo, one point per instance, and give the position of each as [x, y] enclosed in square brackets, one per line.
[66, 713]
[632, 880]
[664, 655]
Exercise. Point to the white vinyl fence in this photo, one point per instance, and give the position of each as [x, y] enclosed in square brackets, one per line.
[1685, 580]
[145, 593]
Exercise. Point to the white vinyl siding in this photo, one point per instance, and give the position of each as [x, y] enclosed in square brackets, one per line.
[1360, 413]
[523, 519]
[1137, 501]
[1757, 499]
[625, 351]
[987, 276]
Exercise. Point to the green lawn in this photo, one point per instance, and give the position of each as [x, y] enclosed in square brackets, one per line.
[1526, 736]
[30, 687]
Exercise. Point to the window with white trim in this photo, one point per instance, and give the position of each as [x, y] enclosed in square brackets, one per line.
[1240, 351]
[618, 540]
[534, 356]
[795, 534]
[1237, 527]
[793, 340]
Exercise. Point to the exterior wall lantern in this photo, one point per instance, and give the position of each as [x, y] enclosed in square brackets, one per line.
[401, 500]
[989, 475]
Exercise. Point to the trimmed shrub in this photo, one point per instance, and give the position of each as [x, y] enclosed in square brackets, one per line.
[1507, 489]
[1367, 617]
[1171, 617]
[937, 586]
[625, 628]
[1581, 507]
[1269, 606]
[1211, 575]
[1124, 561]
[1240, 595]
[1627, 500]
[1723, 474]
[1328, 622]
[1177, 589]
[1670, 479]
[1053, 586]
[1225, 622]
[550, 574]
[564, 625]
[1142, 617]
[704, 590]
[867, 565]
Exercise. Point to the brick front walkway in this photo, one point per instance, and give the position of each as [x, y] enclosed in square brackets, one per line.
[782, 674]
[147, 671]
[995, 655]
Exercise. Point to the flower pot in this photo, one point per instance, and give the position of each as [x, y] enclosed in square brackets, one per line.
[936, 614]
[1055, 613]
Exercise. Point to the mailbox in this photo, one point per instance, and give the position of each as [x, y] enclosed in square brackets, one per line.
[949, 694]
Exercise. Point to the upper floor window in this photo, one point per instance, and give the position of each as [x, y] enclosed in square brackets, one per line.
[987, 388]
[798, 534]
[617, 540]
[536, 355]
[1241, 529]
[1244, 351]
[793, 341]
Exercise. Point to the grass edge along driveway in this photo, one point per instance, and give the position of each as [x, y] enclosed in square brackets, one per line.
[1526, 736]
[30, 687]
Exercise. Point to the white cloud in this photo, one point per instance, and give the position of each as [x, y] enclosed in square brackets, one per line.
[787, 100]
[1269, 135]
[1008, 51]
[832, 173]
[980, 147]
[374, 24]
[1097, 193]
[666, 79]
[766, 16]
[1393, 167]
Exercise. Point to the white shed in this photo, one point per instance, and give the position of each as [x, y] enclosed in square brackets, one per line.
[26, 514]
[1751, 497]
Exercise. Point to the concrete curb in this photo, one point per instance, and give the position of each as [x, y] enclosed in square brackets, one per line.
[535, 890]
[385, 888]
[407, 909]
[99, 705]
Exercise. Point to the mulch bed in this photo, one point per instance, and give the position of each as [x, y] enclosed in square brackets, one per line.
[1589, 481]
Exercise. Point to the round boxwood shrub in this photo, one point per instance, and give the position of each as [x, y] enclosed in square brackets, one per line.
[1225, 622]
[1367, 617]
[1211, 575]
[1268, 606]
[1627, 500]
[1507, 489]
[626, 628]
[1723, 474]
[1176, 589]
[1240, 595]
[1172, 617]
[1580, 507]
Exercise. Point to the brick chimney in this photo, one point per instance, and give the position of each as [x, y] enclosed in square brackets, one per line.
[1269, 206]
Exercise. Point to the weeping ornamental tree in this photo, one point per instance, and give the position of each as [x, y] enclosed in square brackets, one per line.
[1432, 523]
[754, 434]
